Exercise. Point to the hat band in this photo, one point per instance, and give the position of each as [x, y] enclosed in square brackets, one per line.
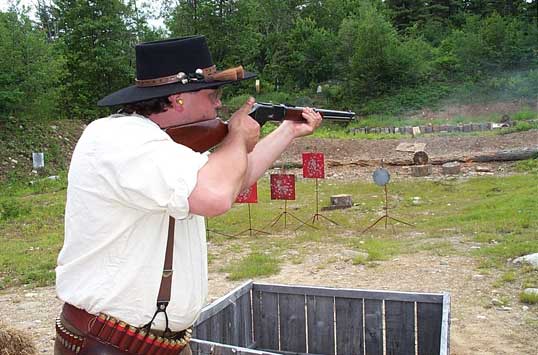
[207, 74]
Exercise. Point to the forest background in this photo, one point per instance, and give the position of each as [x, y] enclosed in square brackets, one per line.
[370, 56]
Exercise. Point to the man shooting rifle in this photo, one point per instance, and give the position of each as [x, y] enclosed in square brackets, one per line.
[133, 268]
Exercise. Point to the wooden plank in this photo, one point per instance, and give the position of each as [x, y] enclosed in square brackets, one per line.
[203, 347]
[373, 327]
[243, 318]
[265, 314]
[429, 319]
[320, 315]
[351, 293]
[292, 322]
[229, 328]
[445, 327]
[216, 331]
[349, 326]
[223, 302]
[400, 328]
[201, 331]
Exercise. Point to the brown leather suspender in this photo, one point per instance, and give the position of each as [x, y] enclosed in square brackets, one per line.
[165, 289]
[166, 281]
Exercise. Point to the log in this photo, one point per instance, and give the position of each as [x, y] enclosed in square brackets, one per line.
[451, 168]
[341, 201]
[420, 158]
[421, 170]
[502, 155]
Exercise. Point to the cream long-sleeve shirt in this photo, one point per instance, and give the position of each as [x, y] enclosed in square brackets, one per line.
[126, 178]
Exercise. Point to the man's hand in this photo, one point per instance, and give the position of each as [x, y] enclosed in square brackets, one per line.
[299, 129]
[245, 127]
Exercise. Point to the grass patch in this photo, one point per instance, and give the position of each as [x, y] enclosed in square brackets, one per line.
[528, 166]
[530, 298]
[498, 213]
[519, 127]
[254, 265]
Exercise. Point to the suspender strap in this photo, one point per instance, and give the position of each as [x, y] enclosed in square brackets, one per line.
[166, 281]
[165, 290]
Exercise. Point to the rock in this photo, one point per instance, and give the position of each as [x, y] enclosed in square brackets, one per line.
[531, 291]
[530, 259]
[497, 302]
[352, 254]
[451, 168]
[342, 201]
[505, 309]
[482, 169]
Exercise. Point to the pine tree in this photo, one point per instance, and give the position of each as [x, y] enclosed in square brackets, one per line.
[98, 48]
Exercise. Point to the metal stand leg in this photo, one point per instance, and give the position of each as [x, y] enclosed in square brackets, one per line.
[284, 214]
[386, 216]
[250, 229]
[317, 215]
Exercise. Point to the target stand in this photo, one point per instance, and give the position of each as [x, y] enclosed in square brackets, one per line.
[285, 214]
[382, 177]
[283, 188]
[208, 231]
[250, 230]
[314, 168]
[249, 196]
[316, 217]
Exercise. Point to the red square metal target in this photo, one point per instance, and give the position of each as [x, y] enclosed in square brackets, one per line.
[313, 165]
[249, 195]
[282, 187]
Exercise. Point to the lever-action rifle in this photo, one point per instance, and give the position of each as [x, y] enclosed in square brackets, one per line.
[204, 135]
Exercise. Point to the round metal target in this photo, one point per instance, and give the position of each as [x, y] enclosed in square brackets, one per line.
[381, 176]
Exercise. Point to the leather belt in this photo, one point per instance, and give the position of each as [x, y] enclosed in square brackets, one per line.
[78, 318]
[103, 330]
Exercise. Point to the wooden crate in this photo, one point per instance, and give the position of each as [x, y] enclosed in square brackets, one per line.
[259, 318]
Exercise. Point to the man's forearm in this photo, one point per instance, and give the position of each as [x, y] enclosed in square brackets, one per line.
[220, 180]
[265, 153]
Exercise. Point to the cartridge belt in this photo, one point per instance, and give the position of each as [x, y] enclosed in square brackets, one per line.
[103, 330]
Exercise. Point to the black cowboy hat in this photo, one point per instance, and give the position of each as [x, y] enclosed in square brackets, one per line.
[173, 66]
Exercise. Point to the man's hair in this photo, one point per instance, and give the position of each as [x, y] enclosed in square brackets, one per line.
[147, 107]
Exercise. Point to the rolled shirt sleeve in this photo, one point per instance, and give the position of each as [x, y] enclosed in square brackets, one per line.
[160, 176]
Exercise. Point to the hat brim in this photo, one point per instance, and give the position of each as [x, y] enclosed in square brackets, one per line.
[134, 93]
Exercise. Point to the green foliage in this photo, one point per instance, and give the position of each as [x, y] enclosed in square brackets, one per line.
[520, 127]
[98, 47]
[378, 61]
[254, 265]
[307, 55]
[529, 165]
[30, 70]
[11, 208]
[368, 55]
[530, 298]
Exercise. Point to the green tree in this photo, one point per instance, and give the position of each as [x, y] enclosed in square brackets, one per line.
[98, 47]
[30, 69]
[405, 13]
[378, 61]
[230, 27]
[306, 56]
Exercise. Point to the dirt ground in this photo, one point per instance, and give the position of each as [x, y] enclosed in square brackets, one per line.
[479, 324]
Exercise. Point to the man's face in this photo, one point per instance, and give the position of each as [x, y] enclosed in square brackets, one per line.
[201, 105]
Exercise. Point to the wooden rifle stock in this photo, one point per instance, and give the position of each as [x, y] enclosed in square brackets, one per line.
[204, 135]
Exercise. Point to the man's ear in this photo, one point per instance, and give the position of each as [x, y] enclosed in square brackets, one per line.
[176, 101]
